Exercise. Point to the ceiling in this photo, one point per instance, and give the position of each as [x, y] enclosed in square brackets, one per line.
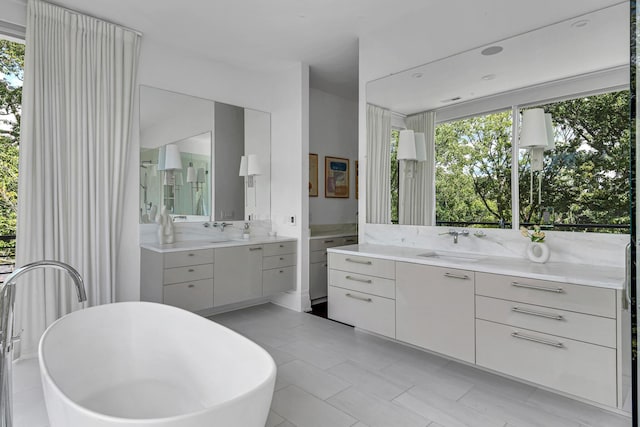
[268, 34]
[583, 45]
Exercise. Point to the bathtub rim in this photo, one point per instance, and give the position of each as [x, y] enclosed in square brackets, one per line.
[44, 373]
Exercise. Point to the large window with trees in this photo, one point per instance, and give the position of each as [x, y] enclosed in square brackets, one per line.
[583, 184]
[11, 75]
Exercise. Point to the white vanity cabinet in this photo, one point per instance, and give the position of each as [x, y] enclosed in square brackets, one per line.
[559, 335]
[183, 279]
[435, 309]
[318, 262]
[238, 274]
[361, 293]
[278, 268]
[207, 278]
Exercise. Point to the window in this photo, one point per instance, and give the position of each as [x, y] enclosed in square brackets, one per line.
[583, 185]
[473, 171]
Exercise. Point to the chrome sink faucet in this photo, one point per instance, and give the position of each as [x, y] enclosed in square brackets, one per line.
[456, 233]
[221, 225]
[7, 298]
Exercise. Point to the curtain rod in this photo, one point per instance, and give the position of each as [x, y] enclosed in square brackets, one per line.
[75, 12]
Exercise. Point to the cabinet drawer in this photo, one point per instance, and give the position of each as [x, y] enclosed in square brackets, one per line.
[578, 326]
[318, 256]
[278, 261]
[188, 274]
[322, 244]
[184, 258]
[363, 283]
[363, 265]
[278, 280]
[272, 249]
[575, 367]
[369, 312]
[583, 299]
[192, 296]
[349, 240]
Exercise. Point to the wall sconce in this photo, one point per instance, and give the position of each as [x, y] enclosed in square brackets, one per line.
[536, 136]
[250, 167]
[412, 148]
[169, 161]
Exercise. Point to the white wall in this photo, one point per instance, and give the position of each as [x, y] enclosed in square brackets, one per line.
[333, 131]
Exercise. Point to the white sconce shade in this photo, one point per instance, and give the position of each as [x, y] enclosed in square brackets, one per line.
[253, 165]
[172, 157]
[161, 158]
[191, 173]
[243, 166]
[551, 139]
[421, 147]
[200, 176]
[534, 129]
[407, 145]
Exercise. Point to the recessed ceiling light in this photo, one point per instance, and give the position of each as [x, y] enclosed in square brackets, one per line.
[417, 75]
[581, 23]
[491, 50]
[488, 77]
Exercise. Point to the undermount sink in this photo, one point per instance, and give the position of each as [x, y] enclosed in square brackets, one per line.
[453, 256]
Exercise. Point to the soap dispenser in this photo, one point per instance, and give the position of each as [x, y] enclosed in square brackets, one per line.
[246, 231]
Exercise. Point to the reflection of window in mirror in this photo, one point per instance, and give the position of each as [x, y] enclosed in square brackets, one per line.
[583, 185]
[395, 175]
[473, 171]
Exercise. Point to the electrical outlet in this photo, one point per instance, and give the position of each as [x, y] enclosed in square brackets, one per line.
[291, 220]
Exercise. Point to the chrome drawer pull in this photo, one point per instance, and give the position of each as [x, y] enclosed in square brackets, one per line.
[328, 241]
[359, 298]
[350, 240]
[191, 270]
[192, 255]
[537, 313]
[255, 249]
[538, 340]
[191, 286]
[456, 276]
[357, 261]
[538, 288]
[356, 279]
[281, 259]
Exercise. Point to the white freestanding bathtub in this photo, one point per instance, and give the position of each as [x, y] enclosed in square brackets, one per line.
[145, 364]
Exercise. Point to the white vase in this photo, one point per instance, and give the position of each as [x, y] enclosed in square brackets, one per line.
[538, 252]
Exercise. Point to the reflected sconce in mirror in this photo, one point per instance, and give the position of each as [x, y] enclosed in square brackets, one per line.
[412, 148]
[249, 168]
[536, 136]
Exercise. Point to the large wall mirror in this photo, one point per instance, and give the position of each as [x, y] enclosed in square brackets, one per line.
[191, 150]
[461, 115]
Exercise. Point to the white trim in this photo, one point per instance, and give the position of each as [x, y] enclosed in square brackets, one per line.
[515, 170]
[12, 32]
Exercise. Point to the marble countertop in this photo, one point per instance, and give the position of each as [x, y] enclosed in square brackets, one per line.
[211, 244]
[582, 274]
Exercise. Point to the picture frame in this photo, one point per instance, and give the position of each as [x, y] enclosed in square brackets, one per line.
[336, 177]
[313, 175]
[357, 175]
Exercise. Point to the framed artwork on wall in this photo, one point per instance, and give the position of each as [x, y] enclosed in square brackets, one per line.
[357, 174]
[313, 175]
[336, 177]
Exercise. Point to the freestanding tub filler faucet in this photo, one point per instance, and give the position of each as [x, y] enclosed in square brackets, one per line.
[7, 297]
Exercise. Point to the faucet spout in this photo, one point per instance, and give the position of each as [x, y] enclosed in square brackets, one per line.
[7, 299]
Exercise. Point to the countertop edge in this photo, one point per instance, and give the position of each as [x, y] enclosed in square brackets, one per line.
[196, 245]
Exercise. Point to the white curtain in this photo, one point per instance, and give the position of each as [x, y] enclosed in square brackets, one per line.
[416, 198]
[378, 165]
[80, 76]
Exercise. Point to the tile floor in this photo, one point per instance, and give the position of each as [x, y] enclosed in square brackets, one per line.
[330, 375]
